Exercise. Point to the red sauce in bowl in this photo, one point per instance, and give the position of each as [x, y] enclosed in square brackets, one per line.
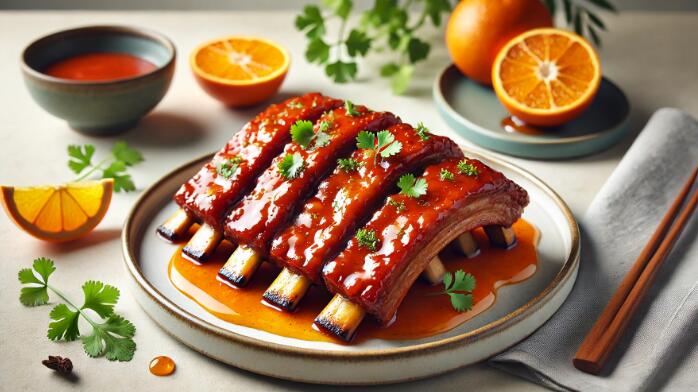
[94, 67]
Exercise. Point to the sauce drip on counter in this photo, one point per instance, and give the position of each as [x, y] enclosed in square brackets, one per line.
[514, 125]
[162, 366]
[420, 315]
[94, 67]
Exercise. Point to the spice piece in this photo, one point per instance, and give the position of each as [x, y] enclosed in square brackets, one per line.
[59, 364]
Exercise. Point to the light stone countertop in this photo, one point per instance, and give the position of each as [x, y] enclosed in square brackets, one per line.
[652, 56]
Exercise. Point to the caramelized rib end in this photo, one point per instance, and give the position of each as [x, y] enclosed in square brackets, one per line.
[287, 290]
[241, 265]
[501, 236]
[340, 317]
[176, 226]
[434, 271]
[203, 243]
[467, 245]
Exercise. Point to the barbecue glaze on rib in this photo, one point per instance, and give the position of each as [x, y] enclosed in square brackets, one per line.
[411, 238]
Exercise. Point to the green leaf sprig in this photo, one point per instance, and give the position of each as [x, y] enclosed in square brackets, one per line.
[348, 165]
[581, 17]
[464, 167]
[114, 166]
[459, 287]
[229, 167]
[303, 134]
[291, 166]
[411, 186]
[446, 175]
[389, 26]
[382, 143]
[112, 336]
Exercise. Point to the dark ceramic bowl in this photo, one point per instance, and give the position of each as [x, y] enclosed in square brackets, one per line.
[100, 107]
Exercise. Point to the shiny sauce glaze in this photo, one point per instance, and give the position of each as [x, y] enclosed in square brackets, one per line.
[404, 226]
[345, 198]
[209, 195]
[420, 315]
[100, 67]
[260, 214]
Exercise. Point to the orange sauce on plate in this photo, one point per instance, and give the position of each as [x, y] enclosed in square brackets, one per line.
[95, 67]
[514, 125]
[420, 315]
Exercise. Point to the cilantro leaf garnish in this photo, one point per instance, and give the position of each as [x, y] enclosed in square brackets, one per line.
[467, 168]
[459, 287]
[399, 205]
[348, 164]
[446, 175]
[412, 187]
[422, 131]
[291, 166]
[367, 239]
[230, 167]
[115, 167]
[111, 336]
[383, 143]
[302, 133]
[350, 109]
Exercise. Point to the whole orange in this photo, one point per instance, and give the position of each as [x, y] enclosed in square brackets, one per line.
[477, 30]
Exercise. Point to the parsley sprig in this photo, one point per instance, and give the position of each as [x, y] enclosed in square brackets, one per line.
[291, 166]
[114, 166]
[348, 165]
[382, 143]
[464, 167]
[459, 287]
[367, 239]
[303, 134]
[446, 175]
[112, 336]
[391, 26]
[411, 186]
[422, 131]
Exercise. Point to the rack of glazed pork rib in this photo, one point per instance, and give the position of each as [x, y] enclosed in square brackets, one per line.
[294, 187]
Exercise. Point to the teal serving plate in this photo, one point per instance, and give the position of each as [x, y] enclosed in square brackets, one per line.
[475, 113]
[99, 107]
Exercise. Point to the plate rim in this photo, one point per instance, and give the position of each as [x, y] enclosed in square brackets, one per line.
[444, 105]
[526, 310]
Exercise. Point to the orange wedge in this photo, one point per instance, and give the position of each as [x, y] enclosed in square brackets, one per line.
[58, 213]
[240, 71]
[546, 76]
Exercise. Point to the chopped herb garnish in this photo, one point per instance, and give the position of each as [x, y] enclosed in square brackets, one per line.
[296, 104]
[367, 239]
[399, 205]
[112, 335]
[350, 109]
[302, 133]
[228, 168]
[348, 164]
[459, 287]
[446, 175]
[422, 131]
[412, 187]
[467, 168]
[383, 143]
[291, 166]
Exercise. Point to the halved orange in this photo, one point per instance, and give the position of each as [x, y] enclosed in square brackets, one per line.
[240, 71]
[58, 213]
[546, 76]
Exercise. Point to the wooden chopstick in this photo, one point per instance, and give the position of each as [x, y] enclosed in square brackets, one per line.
[609, 327]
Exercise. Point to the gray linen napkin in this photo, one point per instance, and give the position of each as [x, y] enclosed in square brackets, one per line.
[660, 349]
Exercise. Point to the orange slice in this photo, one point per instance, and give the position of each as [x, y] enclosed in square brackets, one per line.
[546, 76]
[240, 71]
[58, 213]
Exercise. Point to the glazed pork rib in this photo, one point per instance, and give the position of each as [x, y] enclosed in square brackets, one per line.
[410, 233]
[344, 200]
[208, 196]
[258, 217]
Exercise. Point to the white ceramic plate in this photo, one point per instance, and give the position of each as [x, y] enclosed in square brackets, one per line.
[517, 312]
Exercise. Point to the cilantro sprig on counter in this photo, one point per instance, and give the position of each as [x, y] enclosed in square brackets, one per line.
[111, 336]
[291, 166]
[382, 143]
[114, 166]
[459, 287]
[411, 186]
